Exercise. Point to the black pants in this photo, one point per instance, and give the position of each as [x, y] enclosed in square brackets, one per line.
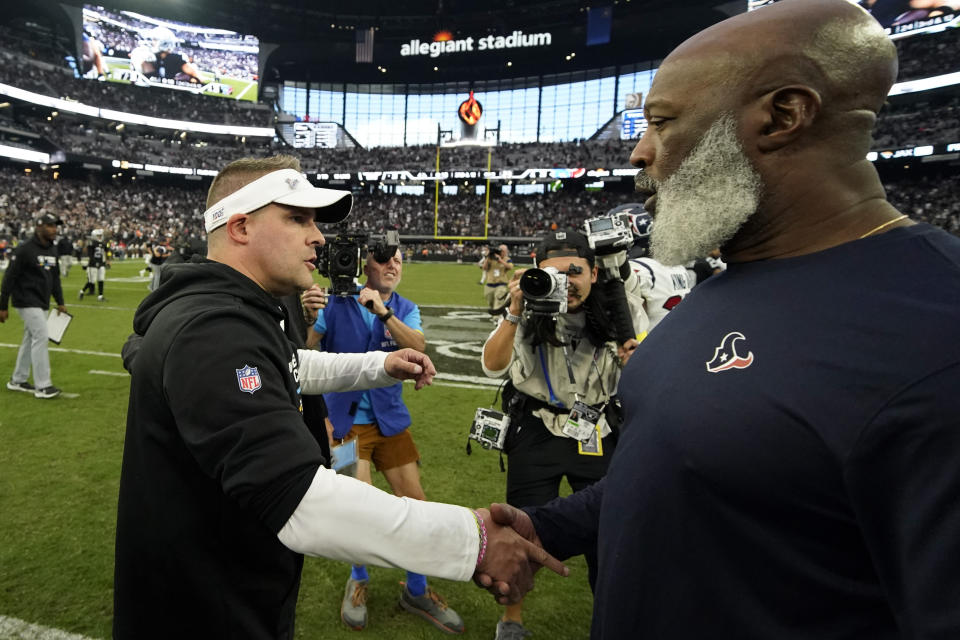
[537, 461]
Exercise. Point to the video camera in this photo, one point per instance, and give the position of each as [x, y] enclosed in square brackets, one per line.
[489, 428]
[544, 291]
[341, 259]
[609, 234]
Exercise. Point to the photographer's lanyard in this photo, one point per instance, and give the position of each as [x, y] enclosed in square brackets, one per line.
[573, 381]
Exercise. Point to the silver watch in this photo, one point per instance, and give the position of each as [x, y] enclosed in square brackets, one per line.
[512, 318]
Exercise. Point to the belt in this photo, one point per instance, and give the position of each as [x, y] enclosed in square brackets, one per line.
[496, 284]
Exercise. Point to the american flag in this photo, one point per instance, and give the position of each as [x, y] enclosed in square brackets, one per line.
[364, 44]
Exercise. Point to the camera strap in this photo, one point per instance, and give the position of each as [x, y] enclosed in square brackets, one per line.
[546, 375]
[573, 381]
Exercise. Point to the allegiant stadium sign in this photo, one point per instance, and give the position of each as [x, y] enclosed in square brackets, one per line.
[515, 40]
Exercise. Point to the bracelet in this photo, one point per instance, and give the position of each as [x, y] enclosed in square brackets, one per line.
[386, 316]
[482, 532]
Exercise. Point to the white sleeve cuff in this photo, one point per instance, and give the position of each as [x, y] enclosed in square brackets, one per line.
[342, 518]
[322, 372]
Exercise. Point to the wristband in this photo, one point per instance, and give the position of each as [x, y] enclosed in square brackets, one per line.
[386, 316]
[482, 532]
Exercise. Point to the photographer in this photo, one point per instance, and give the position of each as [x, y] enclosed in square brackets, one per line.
[496, 270]
[562, 367]
[379, 319]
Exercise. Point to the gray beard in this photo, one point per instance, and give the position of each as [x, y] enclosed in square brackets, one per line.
[708, 198]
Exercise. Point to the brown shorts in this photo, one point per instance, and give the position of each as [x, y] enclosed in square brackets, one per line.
[385, 452]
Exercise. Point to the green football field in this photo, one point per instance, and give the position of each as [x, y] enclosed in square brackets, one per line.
[242, 89]
[60, 463]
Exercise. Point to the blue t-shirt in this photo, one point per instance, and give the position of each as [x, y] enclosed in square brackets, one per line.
[364, 414]
[789, 466]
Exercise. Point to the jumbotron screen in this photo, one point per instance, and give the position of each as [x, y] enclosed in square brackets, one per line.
[131, 48]
[901, 18]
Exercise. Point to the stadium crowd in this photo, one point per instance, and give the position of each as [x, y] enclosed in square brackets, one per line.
[928, 55]
[135, 211]
[175, 105]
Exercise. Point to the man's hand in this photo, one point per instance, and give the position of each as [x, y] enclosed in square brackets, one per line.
[312, 300]
[513, 555]
[3, 315]
[626, 350]
[516, 295]
[370, 298]
[61, 309]
[409, 364]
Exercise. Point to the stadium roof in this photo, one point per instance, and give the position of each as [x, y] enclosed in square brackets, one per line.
[316, 39]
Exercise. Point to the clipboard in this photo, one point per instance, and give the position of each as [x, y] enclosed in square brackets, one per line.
[343, 455]
[57, 324]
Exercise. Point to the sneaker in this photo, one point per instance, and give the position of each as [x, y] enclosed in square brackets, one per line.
[20, 386]
[47, 392]
[433, 608]
[353, 611]
[507, 630]
[80, 295]
[101, 299]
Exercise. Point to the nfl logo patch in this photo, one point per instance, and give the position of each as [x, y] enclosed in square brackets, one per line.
[248, 378]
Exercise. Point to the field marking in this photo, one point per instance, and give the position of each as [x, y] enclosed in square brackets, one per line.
[100, 372]
[16, 629]
[61, 350]
[250, 84]
[100, 305]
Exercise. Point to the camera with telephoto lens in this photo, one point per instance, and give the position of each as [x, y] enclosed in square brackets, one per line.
[489, 428]
[609, 234]
[493, 252]
[341, 259]
[544, 291]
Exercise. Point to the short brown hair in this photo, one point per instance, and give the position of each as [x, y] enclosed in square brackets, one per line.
[240, 173]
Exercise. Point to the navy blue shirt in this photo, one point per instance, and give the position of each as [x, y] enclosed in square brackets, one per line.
[790, 463]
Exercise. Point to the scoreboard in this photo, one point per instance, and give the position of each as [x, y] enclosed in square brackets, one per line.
[632, 124]
[308, 135]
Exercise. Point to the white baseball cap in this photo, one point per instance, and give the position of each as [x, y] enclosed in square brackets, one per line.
[284, 186]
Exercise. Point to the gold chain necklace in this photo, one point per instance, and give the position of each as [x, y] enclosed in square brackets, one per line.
[884, 225]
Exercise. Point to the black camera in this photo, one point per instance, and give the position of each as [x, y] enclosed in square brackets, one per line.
[341, 259]
[544, 291]
[494, 252]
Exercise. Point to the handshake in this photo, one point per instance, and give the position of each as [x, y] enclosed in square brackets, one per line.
[513, 554]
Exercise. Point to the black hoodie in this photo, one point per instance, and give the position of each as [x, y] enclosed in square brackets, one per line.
[215, 461]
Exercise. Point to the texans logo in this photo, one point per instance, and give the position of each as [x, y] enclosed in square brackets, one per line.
[726, 357]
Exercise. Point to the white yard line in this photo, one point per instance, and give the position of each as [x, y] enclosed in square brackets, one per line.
[62, 350]
[14, 629]
[244, 92]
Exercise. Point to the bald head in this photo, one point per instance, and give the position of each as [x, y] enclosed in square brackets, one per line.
[831, 46]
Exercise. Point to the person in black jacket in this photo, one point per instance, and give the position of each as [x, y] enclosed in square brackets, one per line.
[32, 277]
[222, 486]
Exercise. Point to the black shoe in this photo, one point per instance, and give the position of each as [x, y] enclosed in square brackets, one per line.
[20, 386]
[47, 392]
[80, 295]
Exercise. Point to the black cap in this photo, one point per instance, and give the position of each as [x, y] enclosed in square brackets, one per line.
[630, 207]
[48, 218]
[564, 243]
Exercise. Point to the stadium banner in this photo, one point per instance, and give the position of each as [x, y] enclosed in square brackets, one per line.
[442, 44]
[899, 18]
[132, 48]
